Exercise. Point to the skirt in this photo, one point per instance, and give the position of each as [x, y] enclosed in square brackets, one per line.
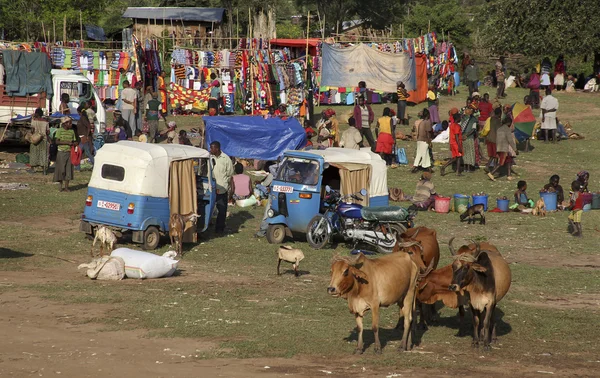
[559, 79]
[385, 143]
[422, 159]
[38, 155]
[402, 110]
[63, 169]
[469, 151]
[491, 149]
[434, 116]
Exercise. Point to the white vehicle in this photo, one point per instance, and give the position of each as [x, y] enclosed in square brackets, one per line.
[74, 83]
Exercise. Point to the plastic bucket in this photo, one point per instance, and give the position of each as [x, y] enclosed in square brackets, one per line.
[481, 200]
[549, 200]
[596, 201]
[460, 199]
[502, 204]
[442, 204]
[587, 201]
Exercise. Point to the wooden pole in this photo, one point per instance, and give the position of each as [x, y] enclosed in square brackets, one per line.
[80, 26]
[65, 29]
[307, 35]
[54, 27]
[250, 62]
[44, 32]
[429, 26]
[237, 20]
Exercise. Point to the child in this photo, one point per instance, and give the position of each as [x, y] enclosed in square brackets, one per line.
[583, 177]
[553, 185]
[576, 206]
[521, 198]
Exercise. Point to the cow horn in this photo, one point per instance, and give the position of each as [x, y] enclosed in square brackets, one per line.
[427, 271]
[409, 244]
[452, 251]
[416, 233]
[477, 248]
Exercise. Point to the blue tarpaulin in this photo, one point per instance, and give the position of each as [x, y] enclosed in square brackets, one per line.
[255, 137]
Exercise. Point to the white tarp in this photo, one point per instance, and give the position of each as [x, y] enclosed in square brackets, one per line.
[345, 67]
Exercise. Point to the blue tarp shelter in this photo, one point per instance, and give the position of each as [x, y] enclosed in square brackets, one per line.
[255, 137]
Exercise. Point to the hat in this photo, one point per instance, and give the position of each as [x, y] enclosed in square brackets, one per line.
[65, 119]
[426, 175]
[453, 111]
[475, 94]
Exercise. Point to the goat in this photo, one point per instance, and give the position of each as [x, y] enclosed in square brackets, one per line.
[291, 255]
[107, 240]
[478, 209]
[176, 229]
[540, 208]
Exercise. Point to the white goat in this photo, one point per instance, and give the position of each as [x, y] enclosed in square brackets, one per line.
[176, 229]
[291, 255]
[107, 240]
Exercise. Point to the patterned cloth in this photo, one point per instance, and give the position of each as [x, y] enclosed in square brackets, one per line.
[469, 151]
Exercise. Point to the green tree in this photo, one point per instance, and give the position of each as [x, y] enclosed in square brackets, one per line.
[445, 16]
[543, 27]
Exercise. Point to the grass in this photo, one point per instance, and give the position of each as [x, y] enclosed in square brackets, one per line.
[228, 292]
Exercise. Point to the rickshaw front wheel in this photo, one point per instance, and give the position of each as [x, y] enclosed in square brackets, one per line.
[317, 232]
[275, 233]
[151, 238]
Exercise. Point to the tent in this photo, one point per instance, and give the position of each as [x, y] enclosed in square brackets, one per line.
[313, 43]
[420, 93]
[255, 137]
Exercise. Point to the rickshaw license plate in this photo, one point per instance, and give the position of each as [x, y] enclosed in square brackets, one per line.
[109, 205]
[283, 189]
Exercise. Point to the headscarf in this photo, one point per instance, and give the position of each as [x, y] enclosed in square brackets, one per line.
[581, 175]
[172, 125]
[64, 120]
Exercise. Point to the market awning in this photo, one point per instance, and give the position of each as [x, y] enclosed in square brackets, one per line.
[312, 42]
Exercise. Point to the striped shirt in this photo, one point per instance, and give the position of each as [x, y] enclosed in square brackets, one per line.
[425, 189]
[402, 94]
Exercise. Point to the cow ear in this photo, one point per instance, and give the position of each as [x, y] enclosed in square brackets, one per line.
[478, 268]
[359, 274]
[346, 271]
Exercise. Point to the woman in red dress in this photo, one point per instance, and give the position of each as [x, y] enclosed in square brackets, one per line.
[455, 136]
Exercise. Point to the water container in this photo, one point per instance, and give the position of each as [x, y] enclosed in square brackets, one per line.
[596, 201]
[549, 200]
[587, 201]
[483, 200]
[442, 204]
[460, 199]
[502, 204]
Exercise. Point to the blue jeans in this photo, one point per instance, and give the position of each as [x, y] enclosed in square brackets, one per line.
[561, 130]
[87, 150]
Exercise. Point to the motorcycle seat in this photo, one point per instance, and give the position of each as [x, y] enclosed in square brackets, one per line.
[384, 213]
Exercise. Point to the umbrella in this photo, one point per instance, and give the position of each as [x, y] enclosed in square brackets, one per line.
[523, 120]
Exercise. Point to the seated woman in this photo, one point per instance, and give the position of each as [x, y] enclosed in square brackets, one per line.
[241, 187]
[584, 177]
[424, 198]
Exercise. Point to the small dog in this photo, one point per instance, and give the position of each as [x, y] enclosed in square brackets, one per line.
[540, 208]
[471, 212]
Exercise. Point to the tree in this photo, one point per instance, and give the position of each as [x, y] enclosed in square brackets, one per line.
[332, 12]
[445, 16]
[380, 14]
[544, 27]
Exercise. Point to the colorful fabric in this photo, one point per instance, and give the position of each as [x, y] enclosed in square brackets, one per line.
[179, 95]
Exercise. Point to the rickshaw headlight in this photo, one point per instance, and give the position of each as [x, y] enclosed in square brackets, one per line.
[270, 213]
[130, 208]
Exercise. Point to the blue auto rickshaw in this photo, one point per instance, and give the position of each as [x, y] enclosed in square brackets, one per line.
[135, 187]
[300, 184]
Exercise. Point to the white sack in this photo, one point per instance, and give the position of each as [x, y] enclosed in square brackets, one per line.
[106, 268]
[140, 264]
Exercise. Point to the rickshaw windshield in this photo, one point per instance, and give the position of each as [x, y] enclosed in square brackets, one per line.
[299, 171]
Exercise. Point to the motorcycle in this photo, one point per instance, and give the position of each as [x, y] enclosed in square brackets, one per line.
[380, 227]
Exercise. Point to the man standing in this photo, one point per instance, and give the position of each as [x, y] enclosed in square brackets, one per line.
[363, 116]
[500, 78]
[549, 107]
[402, 98]
[129, 97]
[472, 77]
[153, 111]
[139, 111]
[223, 172]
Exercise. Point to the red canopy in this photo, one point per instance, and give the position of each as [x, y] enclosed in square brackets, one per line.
[312, 42]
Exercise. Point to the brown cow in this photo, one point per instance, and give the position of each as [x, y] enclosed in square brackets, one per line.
[368, 284]
[422, 243]
[503, 275]
[475, 276]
